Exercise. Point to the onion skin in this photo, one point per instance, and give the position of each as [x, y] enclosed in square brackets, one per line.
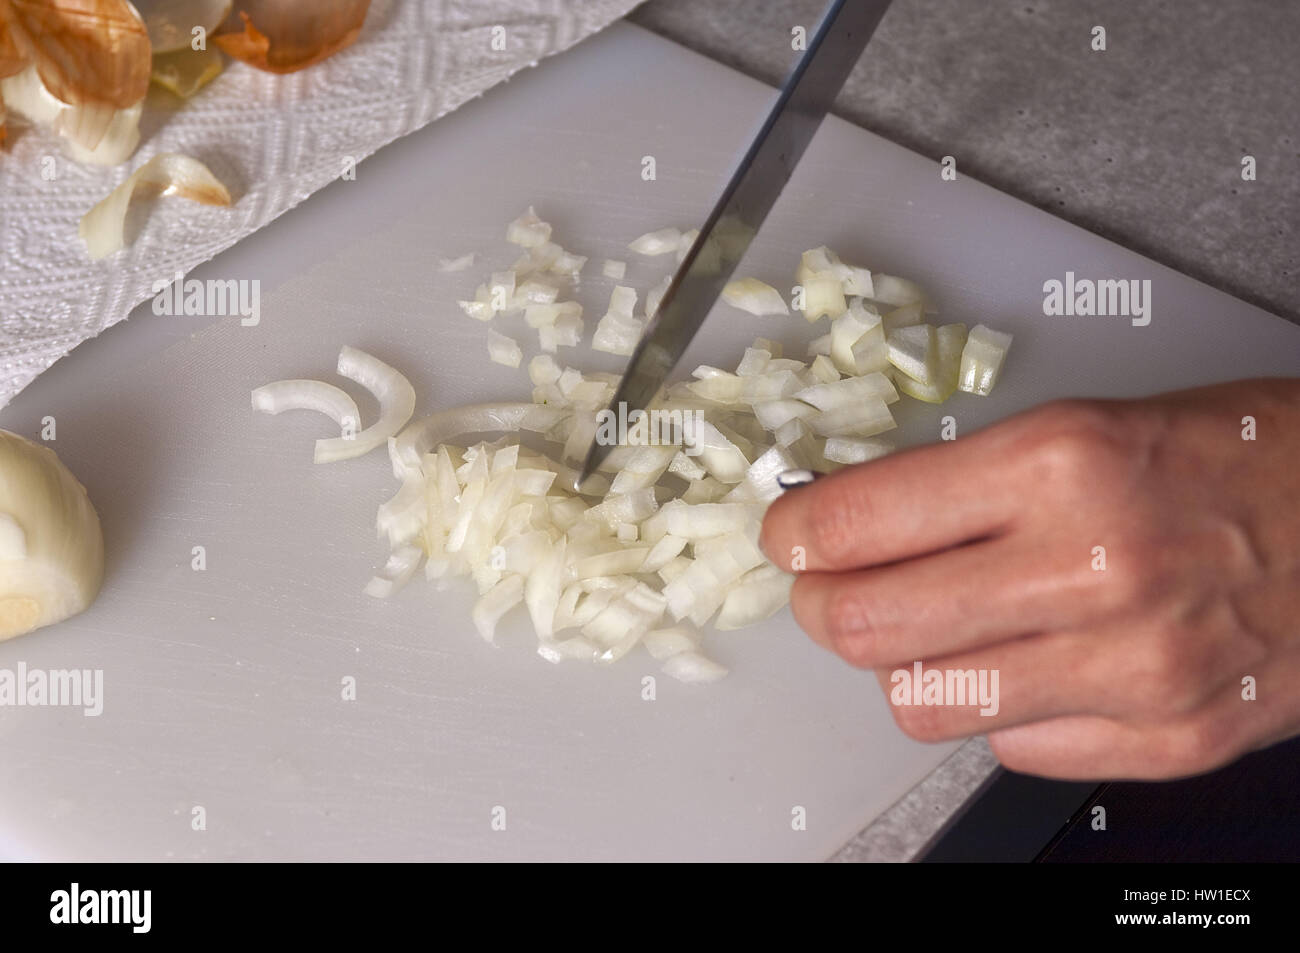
[283, 36]
[87, 52]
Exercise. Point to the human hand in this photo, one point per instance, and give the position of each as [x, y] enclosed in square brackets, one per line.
[983, 553]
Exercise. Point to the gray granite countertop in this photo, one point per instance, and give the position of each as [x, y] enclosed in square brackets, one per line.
[1142, 143]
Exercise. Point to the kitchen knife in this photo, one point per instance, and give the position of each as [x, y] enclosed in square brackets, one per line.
[803, 102]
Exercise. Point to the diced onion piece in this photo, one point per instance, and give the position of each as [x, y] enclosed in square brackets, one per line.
[618, 331]
[864, 419]
[851, 450]
[660, 242]
[665, 643]
[981, 359]
[706, 520]
[576, 648]
[851, 332]
[613, 268]
[656, 294]
[890, 290]
[532, 291]
[693, 668]
[716, 453]
[823, 370]
[915, 351]
[754, 362]
[848, 391]
[396, 399]
[528, 231]
[452, 265]
[396, 573]
[754, 296]
[759, 485]
[567, 264]
[906, 316]
[820, 345]
[482, 307]
[503, 350]
[760, 593]
[823, 296]
[495, 603]
[685, 467]
[951, 340]
[821, 262]
[172, 174]
[543, 370]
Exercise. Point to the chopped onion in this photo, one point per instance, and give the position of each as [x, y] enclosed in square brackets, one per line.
[613, 268]
[851, 450]
[823, 296]
[279, 396]
[981, 359]
[401, 566]
[503, 350]
[662, 242]
[693, 668]
[950, 339]
[613, 561]
[754, 296]
[915, 351]
[172, 174]
[665, 643]
[449, 265]
[495, 603]
[396, 399]
[656, 295]
[528, 230]
[760, 593]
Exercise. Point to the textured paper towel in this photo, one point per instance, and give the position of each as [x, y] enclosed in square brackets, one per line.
[274, 140]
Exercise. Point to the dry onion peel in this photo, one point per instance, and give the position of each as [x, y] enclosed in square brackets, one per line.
[86, 51]
[169, 173]
[282, 36]
[171, 23]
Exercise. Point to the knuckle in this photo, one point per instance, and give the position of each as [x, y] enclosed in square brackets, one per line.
[850, 629]
[1073, 442]
[1168, 676]
[836, 525]
[922, 722]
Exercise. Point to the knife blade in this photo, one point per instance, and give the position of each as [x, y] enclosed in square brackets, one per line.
[752, 190]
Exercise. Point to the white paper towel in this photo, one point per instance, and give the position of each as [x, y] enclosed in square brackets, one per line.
[274, 140]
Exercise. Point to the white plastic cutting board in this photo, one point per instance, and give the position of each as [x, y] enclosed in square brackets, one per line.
[223, 687]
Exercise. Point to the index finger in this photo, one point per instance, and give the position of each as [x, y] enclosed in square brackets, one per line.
[900, 506]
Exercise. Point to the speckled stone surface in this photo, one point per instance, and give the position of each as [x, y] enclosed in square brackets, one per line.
[1141, 143]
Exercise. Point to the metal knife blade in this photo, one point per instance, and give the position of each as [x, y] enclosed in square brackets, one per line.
[803, 102]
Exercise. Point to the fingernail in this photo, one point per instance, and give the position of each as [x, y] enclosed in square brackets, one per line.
[789, 479]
